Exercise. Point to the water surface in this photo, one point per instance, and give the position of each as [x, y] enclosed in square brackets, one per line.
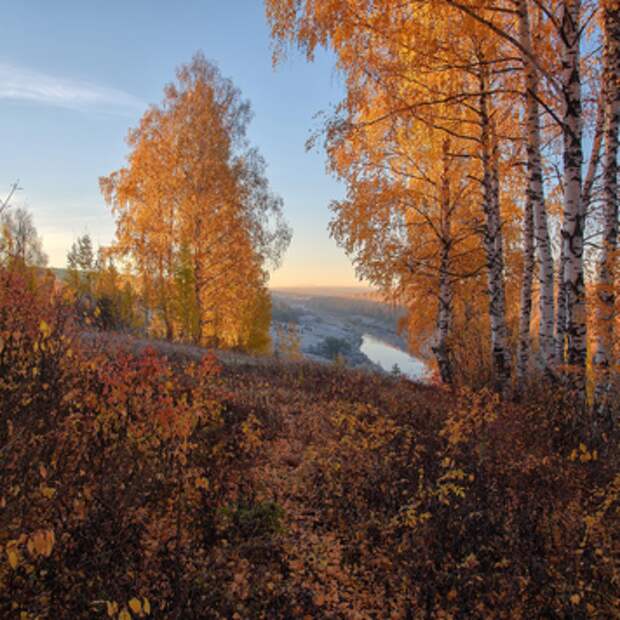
[387, 357]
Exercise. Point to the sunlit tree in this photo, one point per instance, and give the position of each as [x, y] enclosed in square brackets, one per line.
[196, 218]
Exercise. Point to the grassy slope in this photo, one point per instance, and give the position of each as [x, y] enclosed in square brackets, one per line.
[331, 494]
[396, 495]
[299, 408]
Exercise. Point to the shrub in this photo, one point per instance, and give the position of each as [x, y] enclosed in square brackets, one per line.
[333, 348]
[135, 486]
[484, 511]
[112, 466]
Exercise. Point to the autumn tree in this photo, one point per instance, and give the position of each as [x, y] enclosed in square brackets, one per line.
[81, 263]
[604, 352]
[196, 218]
[20, 241]
[114, 295]
[513, 95]
[407, 223]
[100, 294]
[562, 27]
[402, 65]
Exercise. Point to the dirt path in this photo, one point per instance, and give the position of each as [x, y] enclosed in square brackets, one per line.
[314, 552]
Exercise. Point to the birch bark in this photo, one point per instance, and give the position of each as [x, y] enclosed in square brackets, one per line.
[493, 241]
[605, 311]
[574, 213]
[525, 315]
[535, 195]
[444, 317]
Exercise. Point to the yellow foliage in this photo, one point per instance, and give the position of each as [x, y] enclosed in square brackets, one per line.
[136, 606]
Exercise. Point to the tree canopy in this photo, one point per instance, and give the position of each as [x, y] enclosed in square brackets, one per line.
[196, 218]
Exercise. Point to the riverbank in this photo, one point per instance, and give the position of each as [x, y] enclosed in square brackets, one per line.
[362, 334]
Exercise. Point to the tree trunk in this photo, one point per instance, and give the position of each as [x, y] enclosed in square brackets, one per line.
[146, 304]
[595, 156]
[525, 315]
[493, 242]
[560, 321]
[586, 199]
[199, 279]
[536, 196]
[198, 286]
[605, 314]
[574, 212]
[444, 316]
[164, 299]
[169, 329]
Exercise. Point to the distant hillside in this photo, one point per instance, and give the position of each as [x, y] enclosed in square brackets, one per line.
[343, 305]
[326, 291]
[353, 305]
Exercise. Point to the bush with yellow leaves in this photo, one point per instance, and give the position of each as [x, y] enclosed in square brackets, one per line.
[113, 468]
[137, 486]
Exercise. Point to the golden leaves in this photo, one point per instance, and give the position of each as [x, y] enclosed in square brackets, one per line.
[41, 543]
[135, 607]
[45, 329]
[13, 556]
[583, 454]
[195, 213]
[364, 531]
[47, 491]
[202, 483]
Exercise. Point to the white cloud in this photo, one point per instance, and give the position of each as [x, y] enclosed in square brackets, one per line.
[19, 83]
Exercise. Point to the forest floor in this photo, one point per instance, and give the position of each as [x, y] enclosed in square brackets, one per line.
[138, 483]
[302, 413]
[304, 490]
[306, 413]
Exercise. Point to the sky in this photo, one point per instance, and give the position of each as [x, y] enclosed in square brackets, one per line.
[75, 76]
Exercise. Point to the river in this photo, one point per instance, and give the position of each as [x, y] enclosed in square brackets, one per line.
[387, 356]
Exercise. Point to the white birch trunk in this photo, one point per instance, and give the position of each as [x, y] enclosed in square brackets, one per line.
[525, 315]
[536, 196]
[444, 316]
[493, 243]
[586, 199]
[605, 315]
[560, 321]
[574, 214]
[595, 156]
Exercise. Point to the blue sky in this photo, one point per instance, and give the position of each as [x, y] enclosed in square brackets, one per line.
[75, 75]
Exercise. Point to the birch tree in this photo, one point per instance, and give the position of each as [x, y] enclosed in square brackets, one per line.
[20, 242]
[194, 209]
[509, 92]
[605, 311]
[573, 224]
[535, 198]
[405, 55]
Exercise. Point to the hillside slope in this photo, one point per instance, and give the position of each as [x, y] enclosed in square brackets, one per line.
[368, 496]
[147, 479]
